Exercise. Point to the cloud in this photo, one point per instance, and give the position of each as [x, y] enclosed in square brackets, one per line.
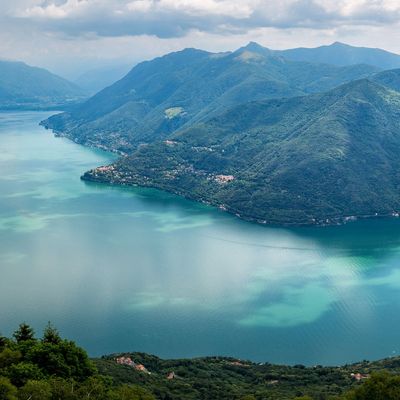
[71, 36]
[175, 18]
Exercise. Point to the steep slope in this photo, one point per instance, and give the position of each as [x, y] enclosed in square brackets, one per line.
[23, 86]
[342, 54]
[179, 89]
[314, 159]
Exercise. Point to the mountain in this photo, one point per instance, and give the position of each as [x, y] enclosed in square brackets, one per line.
[316, 159]
[390, 79]
[160, 96]
[342, 54]
[23, 86]
[97, 79]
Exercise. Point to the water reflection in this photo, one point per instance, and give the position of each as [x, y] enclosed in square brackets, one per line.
[120, 269]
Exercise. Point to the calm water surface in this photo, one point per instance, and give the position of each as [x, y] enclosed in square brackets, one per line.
[133, 269]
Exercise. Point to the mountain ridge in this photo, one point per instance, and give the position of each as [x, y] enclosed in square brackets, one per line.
[305, 160]
[25, 87]
[197, 83]
[342, 54]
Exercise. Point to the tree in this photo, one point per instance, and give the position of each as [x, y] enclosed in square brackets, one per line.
[63, 359]
[9, 357]
[126, 392]
[7, 390]
[35, 390]
[24, 333]
[63, 389]
[380, 386]
[23, 372]
[51, 335]
[3, 342]
[93, 389]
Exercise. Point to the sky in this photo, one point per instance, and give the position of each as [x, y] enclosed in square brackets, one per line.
[70, 37]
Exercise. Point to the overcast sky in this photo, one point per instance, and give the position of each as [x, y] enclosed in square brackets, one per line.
[69, 36]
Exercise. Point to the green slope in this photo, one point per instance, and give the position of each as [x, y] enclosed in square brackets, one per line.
[313, 159]
[137, 109]
[53, 368]
[226, 378]
[23, 86]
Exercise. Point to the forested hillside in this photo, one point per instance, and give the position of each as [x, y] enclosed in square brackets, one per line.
[26, 87]
[316, 159]
[160, 96]
[53, 368]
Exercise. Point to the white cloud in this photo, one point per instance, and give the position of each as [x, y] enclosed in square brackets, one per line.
[168, 18]
[76, 34]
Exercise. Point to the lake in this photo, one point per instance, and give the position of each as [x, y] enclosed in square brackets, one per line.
[131, 269]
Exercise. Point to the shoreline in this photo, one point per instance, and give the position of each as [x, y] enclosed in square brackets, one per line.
[323, 222]
[328, 221]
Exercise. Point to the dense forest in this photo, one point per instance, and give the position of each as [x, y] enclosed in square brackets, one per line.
[53, 368]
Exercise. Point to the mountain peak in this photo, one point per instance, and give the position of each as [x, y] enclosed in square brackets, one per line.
[339, 44]
[254, 47]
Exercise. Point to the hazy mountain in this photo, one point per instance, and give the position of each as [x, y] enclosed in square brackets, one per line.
[311, 159]
[389, 78]
[23, 86]
[157, 97]
[342, 54]
[97, 79]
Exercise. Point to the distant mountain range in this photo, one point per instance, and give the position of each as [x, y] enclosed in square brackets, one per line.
[269, 139]
[26, 87]
[342, 54]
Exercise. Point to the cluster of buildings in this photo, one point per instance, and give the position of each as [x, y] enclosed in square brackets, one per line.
[358, 377]
[139, 367]
[130, 363]
[224, 178]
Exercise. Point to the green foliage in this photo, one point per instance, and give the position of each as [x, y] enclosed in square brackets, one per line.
[27, 359]
[35, 390]
[53, 368]
[24, 333]
[381, 386]
[92, 388]
[22, 372]
[63, 359]
[56, 369]
[7, 390]
[126, 392]
[9, 357]
[51, 335]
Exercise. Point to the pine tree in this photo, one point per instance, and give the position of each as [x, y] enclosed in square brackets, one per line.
[51, 335]
[24, 333]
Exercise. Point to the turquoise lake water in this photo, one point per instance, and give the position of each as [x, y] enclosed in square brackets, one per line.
[130, 269]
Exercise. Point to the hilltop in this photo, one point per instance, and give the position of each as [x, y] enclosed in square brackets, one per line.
[26, 87]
